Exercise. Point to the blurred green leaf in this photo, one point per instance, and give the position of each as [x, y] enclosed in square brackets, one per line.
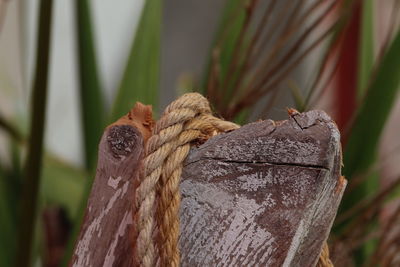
[10, 189]
[225, 45]
[31, 182]
[142, 73]
[229, 32]
[366, 51]
[227, 12]
[92, 104]
[243, 117]
[372, 115]
[63, 185]
[365, 65]
[298, 97]
[8, 206]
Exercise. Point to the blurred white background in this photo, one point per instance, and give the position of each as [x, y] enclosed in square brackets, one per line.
[114, 27]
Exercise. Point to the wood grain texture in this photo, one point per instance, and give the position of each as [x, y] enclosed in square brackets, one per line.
[263, 195]
[105, 238]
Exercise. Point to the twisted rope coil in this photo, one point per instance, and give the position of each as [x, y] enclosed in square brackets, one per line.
[187, 119]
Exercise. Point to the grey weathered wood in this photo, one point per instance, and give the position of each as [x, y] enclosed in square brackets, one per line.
[263, 195]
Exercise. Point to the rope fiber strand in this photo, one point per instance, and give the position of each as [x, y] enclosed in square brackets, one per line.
[186, 120]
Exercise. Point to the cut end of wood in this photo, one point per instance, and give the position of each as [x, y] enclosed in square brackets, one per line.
[140, 117]
[121, 140]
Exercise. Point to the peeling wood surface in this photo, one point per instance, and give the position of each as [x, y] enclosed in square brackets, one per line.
[105, 238]
[263, 195]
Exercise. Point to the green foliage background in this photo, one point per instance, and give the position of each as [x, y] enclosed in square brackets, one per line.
[42, 178]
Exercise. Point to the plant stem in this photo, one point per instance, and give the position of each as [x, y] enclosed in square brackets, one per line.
[10, 129]
[235, 62]
[250, 48]
[35, 148]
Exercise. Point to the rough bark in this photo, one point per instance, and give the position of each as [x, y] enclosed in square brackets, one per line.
[263, 195]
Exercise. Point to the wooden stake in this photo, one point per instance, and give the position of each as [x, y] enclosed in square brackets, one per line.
[105, 238]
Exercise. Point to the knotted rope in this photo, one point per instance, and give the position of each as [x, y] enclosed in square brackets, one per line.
[187, 119]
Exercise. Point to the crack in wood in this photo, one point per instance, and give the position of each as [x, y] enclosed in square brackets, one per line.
[263, 195]
[255, 162]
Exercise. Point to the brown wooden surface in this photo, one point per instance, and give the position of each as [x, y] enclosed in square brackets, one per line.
[105, 238]
[263, 195]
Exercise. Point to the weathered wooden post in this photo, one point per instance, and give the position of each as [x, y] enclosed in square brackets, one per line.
[105, 238]
[263, 195]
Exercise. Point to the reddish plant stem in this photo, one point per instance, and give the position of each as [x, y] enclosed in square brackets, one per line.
[346, 79]
[258, 85]
[254, 95]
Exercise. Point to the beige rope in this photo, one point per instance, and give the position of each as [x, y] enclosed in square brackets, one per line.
[324, 260]
[185, 120]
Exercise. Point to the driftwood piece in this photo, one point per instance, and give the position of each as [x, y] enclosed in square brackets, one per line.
[105, 238]
[263, 195]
